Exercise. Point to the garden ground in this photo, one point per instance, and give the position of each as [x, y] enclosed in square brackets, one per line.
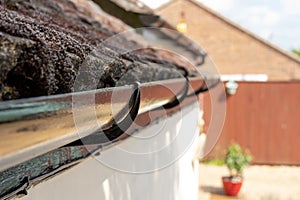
[260, 183]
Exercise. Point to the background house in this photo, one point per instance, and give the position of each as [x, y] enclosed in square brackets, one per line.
[263, 114]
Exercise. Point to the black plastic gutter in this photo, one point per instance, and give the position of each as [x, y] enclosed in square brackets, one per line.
[34, 126]
[41, 133]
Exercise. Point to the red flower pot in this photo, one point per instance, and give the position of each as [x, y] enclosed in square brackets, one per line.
[232, 185]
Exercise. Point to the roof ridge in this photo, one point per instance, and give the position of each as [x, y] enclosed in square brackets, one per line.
[238, 27]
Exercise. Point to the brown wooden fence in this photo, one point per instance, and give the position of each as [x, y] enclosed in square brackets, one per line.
[265, 118]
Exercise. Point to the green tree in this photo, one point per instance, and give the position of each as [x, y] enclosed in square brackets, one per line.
[297, 52]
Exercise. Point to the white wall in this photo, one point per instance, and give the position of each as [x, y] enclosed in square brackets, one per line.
[171, 181]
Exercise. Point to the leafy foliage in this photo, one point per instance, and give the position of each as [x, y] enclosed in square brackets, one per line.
[214, 161]
[297, 52]
[236, 160]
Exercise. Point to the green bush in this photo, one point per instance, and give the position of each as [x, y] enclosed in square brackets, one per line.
[214, 161]
[236, 160]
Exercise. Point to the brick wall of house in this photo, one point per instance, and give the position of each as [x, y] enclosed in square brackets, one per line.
[233, 50]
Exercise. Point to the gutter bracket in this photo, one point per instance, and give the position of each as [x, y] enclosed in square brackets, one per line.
[117, 128]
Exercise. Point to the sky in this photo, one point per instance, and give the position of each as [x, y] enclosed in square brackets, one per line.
[277, 21]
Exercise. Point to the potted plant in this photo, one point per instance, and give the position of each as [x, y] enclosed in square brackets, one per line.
[236, 160]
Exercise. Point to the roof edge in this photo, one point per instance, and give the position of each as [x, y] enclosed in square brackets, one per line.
[165, 5]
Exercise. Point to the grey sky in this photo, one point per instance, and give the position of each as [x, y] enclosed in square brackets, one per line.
[275, 20]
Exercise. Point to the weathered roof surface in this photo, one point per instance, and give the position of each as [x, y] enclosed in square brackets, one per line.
[43, 43]
[234, 49]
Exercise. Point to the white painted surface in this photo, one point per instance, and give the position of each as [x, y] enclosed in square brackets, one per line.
[93, 180]
[245, 77]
